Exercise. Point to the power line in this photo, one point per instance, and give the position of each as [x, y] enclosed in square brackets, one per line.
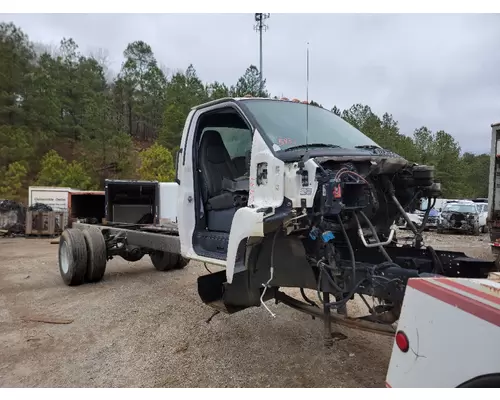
[260, 27]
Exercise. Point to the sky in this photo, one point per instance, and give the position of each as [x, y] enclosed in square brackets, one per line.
[435, 70]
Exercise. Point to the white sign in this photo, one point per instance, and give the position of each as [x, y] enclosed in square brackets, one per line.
[58, 200]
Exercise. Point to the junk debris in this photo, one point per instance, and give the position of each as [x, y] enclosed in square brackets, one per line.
[45, 223]
[40, 207]
[12, 218]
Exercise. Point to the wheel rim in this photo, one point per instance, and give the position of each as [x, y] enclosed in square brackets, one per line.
[64, 257]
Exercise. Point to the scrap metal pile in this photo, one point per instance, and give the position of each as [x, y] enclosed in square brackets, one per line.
[12, 218]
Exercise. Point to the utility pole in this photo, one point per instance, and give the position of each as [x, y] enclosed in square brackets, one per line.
[260, 26]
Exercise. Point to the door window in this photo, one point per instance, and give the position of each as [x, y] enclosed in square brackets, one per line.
[237, 141]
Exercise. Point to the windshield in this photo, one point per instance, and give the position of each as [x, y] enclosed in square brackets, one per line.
[463, 208]
[284, 123]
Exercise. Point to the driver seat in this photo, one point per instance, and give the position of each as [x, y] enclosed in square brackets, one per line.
[215, 165]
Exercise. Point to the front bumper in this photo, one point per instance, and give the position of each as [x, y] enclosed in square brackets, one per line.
[457, 222]
[432, 222]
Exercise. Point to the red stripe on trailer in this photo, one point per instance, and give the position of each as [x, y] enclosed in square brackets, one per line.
[470, 290]
[464, 303]
[387, 385]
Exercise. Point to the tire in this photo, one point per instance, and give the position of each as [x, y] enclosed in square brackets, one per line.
[164, 261]
[485, 381]
[72, 257]
[182, 263]
[96, 255]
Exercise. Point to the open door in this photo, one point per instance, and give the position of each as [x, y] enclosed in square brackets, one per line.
[266, 193]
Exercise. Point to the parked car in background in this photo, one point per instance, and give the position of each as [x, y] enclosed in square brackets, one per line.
[483, 215]
[433, 219]
[463, 216]
[417, 218]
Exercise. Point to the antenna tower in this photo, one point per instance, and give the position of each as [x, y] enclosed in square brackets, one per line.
[260, 27]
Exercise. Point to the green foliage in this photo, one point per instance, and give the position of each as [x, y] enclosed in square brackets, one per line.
[475, 170]
[384, 131]
[249, 84]
[14, 144]
[56, 171]
[184, 91]
[11, 180]
[217, 90]
[157, 164]
[336, 111]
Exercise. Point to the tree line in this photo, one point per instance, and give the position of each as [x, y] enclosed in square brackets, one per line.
[66, 121]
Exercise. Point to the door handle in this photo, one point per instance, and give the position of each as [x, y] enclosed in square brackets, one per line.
[190, 199]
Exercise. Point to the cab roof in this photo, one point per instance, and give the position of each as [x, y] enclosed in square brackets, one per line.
[247, 97]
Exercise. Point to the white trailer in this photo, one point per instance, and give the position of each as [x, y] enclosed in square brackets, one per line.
[493, 220]
[447, 335]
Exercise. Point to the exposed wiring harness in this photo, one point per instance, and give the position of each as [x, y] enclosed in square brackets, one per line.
[372, 278]
[266, 285]
[349, 246]
[307, 299]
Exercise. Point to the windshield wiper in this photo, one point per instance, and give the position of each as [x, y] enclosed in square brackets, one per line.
[303, 146]
[368, 147]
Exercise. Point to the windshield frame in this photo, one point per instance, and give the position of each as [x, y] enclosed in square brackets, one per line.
[273, 146]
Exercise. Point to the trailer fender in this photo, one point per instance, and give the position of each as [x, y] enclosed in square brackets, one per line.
[247, 222]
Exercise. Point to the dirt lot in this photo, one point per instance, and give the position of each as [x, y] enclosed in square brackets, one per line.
[143, 328]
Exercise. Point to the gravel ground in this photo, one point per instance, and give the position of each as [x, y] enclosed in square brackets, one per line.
[143, 328]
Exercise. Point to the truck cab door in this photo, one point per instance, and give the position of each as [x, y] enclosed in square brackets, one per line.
[266, 193]
[267, 176]
[184, 178]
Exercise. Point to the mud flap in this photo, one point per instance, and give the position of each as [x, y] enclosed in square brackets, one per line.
[215, 292]
[211, 292]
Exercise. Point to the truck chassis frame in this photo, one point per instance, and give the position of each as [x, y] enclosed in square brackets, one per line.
[133, 241]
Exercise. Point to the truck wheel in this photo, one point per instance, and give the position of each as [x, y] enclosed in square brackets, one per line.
[96, 255]
[182, 262]
[72, 257]
[164, 261]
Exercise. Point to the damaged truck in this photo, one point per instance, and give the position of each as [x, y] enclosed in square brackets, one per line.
[460, 216]
[282, 194]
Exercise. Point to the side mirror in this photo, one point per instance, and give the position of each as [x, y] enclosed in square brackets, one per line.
[176, 166]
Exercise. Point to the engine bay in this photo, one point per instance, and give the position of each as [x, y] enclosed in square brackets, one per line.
[349, 235]
[335, 235]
